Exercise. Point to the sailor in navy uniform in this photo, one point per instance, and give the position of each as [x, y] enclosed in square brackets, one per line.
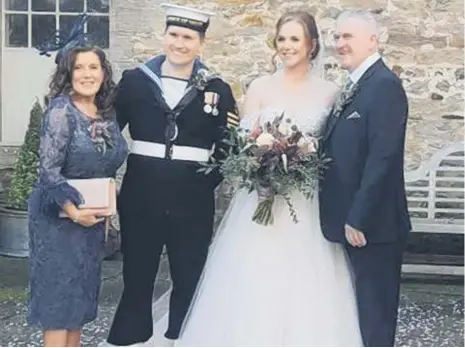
[177, 112]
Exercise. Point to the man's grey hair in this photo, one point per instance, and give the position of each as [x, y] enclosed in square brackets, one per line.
[361, 15]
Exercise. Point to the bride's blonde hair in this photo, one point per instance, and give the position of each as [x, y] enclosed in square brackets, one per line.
[307, 21]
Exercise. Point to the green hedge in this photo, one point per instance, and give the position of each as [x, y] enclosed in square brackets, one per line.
[26, 168]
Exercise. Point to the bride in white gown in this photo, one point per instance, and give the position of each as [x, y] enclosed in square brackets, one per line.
[284, 284]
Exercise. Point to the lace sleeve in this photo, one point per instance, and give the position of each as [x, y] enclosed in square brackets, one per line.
[54, 140]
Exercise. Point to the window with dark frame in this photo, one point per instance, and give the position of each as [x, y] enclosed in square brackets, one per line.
[30, 22]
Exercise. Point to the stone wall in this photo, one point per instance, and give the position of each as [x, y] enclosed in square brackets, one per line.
[422, 40]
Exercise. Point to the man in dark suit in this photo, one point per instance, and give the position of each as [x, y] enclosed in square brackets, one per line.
[363, 202]
[176, 111]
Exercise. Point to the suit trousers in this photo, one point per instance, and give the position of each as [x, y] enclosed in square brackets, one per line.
[377, 272]
[187, 239]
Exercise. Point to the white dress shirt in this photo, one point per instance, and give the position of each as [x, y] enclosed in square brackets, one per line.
[362, 68]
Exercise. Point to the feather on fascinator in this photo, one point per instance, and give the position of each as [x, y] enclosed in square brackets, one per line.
[62, 42]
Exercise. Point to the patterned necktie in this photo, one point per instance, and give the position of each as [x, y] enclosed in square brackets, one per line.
[348, 85]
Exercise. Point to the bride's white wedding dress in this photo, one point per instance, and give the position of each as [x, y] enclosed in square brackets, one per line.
[278, 285]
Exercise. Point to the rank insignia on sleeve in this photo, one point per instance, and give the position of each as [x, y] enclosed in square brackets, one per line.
[233, 120]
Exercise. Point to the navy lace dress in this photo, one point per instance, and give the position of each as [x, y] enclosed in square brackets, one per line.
[65, 257]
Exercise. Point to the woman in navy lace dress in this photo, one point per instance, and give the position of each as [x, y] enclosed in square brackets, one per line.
[79, 139]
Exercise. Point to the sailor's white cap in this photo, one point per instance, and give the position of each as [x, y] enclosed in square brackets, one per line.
[187, 17]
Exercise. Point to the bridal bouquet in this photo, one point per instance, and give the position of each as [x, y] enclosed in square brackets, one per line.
[273, 159]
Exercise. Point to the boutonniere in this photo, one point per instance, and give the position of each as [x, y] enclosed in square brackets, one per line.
[202, 78]
[346, 96]
[211, 100]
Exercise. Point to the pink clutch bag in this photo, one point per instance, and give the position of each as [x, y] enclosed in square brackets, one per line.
[98, 193]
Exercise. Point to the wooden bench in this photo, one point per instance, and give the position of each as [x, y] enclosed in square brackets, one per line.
[435, 195]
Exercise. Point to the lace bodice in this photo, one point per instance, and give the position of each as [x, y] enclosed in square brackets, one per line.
[310, 120]
[70, 145]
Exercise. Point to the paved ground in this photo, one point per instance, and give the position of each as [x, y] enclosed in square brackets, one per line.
[431, 312]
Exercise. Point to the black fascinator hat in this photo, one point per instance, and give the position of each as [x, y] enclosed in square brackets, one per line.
[63, 42]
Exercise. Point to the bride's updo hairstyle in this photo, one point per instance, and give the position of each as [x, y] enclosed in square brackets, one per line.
[308, 23]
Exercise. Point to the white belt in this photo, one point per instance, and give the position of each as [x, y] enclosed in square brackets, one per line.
[185, 153]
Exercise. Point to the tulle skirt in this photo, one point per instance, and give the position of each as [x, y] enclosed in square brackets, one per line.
[278, 285]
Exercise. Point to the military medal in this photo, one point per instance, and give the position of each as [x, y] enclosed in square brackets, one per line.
[215, 103]
[211, 102]
[207, 108]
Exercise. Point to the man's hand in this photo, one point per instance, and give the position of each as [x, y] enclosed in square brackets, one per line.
[355, 237]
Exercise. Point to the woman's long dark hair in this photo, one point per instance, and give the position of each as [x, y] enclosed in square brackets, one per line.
[61, 79]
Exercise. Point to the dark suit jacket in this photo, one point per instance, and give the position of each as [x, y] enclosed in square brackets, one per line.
[364, 186]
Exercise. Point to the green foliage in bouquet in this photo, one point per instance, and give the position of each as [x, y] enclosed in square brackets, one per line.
[274, 160]
[26, 169]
